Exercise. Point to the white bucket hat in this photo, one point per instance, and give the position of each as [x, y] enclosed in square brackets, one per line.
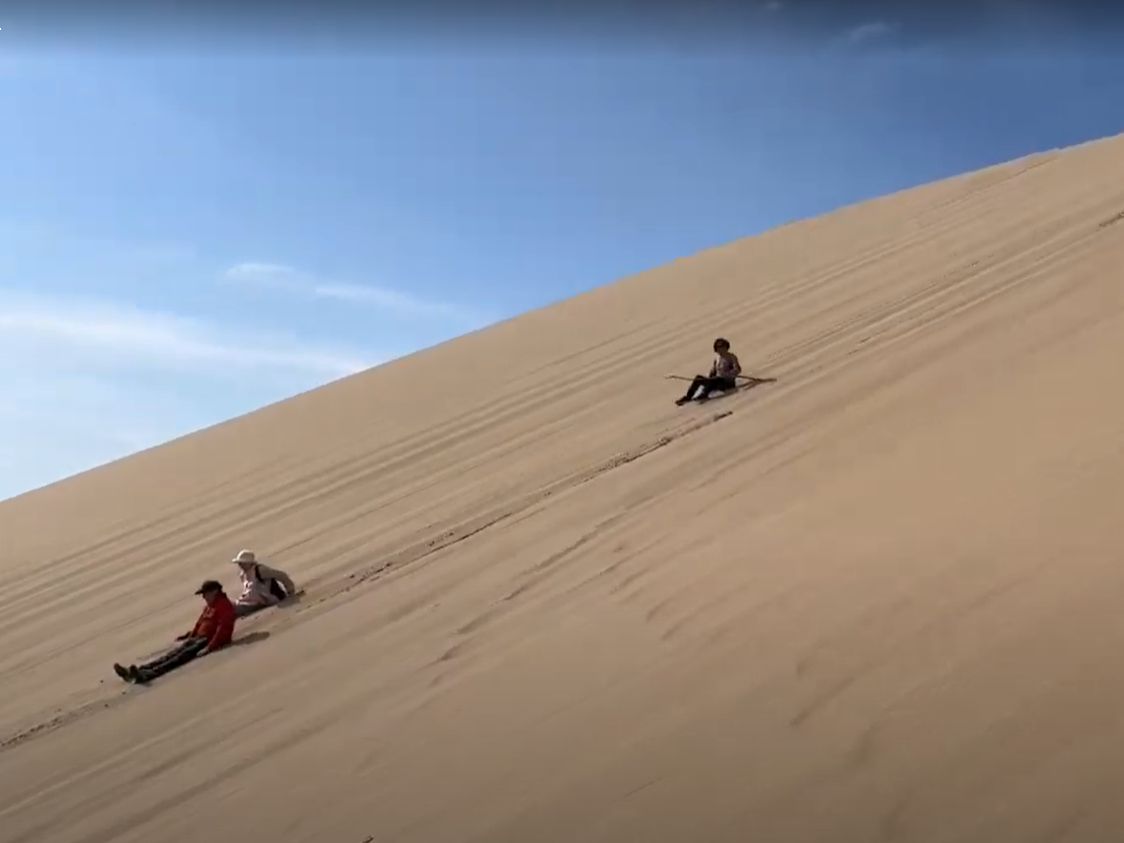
[244, 556]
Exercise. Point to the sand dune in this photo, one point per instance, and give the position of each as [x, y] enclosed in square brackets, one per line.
[880, 599]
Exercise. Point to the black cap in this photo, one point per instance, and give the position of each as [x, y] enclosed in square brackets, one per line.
[209, 586]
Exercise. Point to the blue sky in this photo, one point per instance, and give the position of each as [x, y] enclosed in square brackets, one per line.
[188, 236]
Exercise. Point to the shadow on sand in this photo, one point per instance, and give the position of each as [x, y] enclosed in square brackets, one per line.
[251, 638]
[295, 600]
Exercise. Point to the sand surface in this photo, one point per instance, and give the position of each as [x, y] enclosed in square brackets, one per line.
[880, 599]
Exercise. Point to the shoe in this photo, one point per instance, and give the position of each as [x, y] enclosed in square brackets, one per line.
[122, 672]
[679, 402]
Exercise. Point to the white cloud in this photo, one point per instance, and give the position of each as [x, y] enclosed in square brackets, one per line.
[869, 31]
[286, 278]
[263, 272]
[55, 423]
[148, 338]
[87, 381]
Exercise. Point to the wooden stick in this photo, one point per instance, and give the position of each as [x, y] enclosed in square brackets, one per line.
[743, 377]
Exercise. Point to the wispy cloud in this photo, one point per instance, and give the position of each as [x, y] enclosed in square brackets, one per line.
[151, 338]
[774, 6]
[53, 424]
[261, 273]
[285, 278]
[871, 31]
[86, 381]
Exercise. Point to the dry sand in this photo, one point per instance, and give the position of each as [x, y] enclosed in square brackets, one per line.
[880, 599]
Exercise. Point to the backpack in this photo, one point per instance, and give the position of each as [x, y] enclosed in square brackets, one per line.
[274, 587]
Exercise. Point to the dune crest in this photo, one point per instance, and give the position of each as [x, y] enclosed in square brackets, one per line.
[878, 598]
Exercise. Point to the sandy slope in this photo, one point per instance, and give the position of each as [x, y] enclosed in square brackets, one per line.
[879, 599]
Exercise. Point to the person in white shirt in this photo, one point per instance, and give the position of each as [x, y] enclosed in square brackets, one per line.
[723, 375]
[262, 585]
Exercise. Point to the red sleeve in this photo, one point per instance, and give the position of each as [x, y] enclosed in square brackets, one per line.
[224, 626]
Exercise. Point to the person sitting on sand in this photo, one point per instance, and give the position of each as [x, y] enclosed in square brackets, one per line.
[212, 631]
[262, 586]
[723, 374]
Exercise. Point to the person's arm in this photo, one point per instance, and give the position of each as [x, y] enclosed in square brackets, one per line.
[737, 365]
[191, 632]
[713, 369]
[285, 579]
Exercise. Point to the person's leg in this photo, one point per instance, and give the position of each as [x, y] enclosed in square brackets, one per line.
[724, 384]
[699, 380]
[176, 657]
[169, 655]
[129, 673]
[243, 609]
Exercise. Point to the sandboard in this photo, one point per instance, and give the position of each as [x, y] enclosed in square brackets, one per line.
[745, 383]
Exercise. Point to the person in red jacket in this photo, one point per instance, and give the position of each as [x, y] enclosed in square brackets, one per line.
[211, 632]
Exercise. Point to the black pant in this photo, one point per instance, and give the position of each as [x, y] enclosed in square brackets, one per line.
[709, 384]
[178, 656]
